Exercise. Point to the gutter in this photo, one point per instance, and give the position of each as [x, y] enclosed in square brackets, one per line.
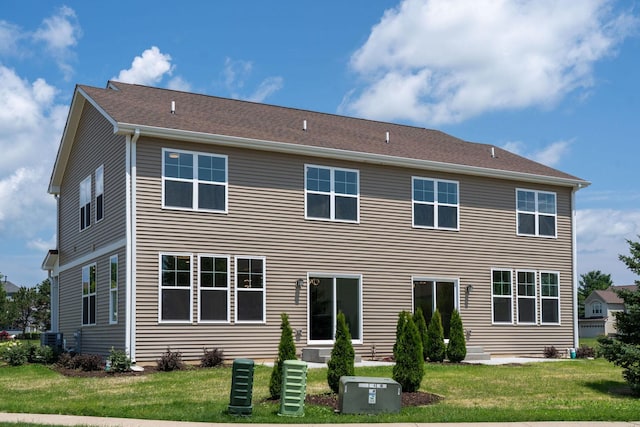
[574, 261]
[130, 294]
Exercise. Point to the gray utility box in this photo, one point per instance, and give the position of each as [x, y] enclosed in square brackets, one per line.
[368, 395]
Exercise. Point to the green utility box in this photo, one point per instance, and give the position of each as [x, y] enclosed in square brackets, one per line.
[241, 387]
[294, 388]
[368, 395]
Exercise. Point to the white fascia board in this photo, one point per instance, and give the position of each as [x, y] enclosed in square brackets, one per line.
[333, 153]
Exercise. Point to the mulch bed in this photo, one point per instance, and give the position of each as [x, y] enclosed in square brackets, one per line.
[418, 398]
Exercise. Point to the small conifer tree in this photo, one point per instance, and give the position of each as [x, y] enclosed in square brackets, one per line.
[402, 320]
[457, 348]
[421, 324]
[286, 351]
[342, 355]
[409, 368]
[435, 339]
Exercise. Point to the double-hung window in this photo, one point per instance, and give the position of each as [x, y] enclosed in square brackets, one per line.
[89, 294]
[332, 193]
[250, 289]
[85, 203]
[99, 193]
[194, 181]
[526, 286]
[596, 308]
[502, 302]
[550, 297]
[175, 287]
[435, 203]
[214, 288]
[113, 289]
[536, 213]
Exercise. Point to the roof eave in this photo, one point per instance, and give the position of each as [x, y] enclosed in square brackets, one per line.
[289, 148]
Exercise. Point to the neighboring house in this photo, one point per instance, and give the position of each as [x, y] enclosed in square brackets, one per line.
[599, 311]
[192, 222]
[9, 288]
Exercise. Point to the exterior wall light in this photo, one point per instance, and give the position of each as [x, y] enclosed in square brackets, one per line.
[299, 283]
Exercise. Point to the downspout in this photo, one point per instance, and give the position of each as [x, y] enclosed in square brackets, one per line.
[575, 266]
[130, 295]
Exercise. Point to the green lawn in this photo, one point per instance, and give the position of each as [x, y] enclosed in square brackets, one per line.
[563, 390]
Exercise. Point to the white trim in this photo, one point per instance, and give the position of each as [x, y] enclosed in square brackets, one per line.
[435, 203]
[574, 271]
[542, 322]
[534, 297]
[332, 194]
[493, 322]
[334, 277]
[195, 181]
[190, 289]
[263, 289]
[200, 288]
[434, 280]
[94, 254]
[536, 214]
[112, 290]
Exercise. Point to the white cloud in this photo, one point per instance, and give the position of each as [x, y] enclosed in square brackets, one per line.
[236, 72]
[42, 245]
[269, 86]
[442, 61]
[178, 83]
[60, 33]
[147, 69]
[602, 236]
[9, 36]
[551, 155]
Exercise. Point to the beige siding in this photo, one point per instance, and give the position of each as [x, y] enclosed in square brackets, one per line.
[95, 145]
[266, 218]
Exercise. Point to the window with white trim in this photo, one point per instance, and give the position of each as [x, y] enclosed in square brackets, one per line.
[526, 286]
[250, 289]
[502, 302]
[435, 203]
[99, 193]
[85, 203]
[536, 213]
[332, 193]
[596, 308]
[89, 294]
[113, 289]
[194, 181]
[550, 297]
[214, 288]
[175, 287]
[329, 295]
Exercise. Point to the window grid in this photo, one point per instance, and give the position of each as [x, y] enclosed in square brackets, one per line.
[89, 291]
[502, 300]
[113, 289]
[250, 289]
[527, 298]
[332, 194]
[550, 297]
[175, 290]
[435, 203]
[536, 213]
[214, 289]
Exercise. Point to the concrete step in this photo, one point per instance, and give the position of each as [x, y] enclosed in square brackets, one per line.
[320, 355]
[476, 353]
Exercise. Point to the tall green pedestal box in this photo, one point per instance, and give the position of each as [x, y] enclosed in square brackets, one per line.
[241, 387]
[294, 388]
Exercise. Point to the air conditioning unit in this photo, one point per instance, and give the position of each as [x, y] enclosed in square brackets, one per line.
[52, 339]
[368, 395]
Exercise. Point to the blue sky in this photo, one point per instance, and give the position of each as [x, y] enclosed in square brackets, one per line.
[554, 80]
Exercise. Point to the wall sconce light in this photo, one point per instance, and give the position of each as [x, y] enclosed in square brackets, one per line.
[469, 288]
[299, 283]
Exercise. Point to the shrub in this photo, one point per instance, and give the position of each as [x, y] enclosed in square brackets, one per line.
[5, 336]
[286, 351]
[584, 351]
[67, 360]
[32, 350]
[170, 361]
[421, 324]
[551, 352]
[342, 355]
[457, 348]
[402, 321]
[88, 362]
[45, 354]
[118, 361]
[212, 358]
[435, 339]
[16, 354]
[409, 368]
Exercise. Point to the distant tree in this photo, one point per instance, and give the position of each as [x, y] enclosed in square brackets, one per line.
[421, 324]
[624, 349]
[436, 349]
[24, 302]
[457, 347]
[42, 303]
[286, 351]
[589, 282]
[341, 362]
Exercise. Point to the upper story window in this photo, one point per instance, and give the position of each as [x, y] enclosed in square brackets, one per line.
[85, 203]
[501, 296]
[332, 193]
[99, 193]
[596, 308]
[435, 203]
[194, 181]
[536, 213]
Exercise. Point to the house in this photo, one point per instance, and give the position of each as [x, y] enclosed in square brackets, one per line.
[599, 311]
[194, 221]
[9, 287]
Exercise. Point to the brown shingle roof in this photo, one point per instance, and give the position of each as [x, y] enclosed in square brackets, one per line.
[149, 106]
[610, 296]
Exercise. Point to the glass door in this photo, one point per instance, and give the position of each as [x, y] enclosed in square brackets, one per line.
[432, 294]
